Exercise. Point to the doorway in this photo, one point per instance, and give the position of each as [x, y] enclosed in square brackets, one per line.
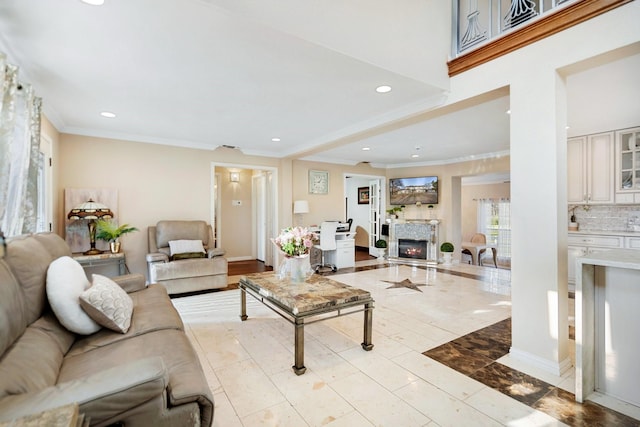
[367, 215]
[244, 210]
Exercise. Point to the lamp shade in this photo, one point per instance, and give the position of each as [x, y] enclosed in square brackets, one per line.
[90, 210]
[300, 207]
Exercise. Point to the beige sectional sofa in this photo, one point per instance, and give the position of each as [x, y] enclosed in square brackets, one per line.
[148, 376]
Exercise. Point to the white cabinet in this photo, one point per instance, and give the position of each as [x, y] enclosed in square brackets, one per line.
[590, 172]
[628, 166]
[345, 254]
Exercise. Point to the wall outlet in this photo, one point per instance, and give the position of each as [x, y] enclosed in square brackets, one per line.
[236, 203]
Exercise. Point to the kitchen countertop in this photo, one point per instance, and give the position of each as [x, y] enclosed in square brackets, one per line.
[620, 258]
[607, 233]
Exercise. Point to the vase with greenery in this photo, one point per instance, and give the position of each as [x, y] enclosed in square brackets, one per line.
[381, 245]
[109, 231]
[447, 249]
[394, 211]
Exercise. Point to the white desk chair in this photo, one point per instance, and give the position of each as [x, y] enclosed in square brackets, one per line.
[327, 243]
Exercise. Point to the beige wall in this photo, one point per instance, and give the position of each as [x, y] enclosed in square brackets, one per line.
[470, 195]
[154, 182]
[449, 202]
[332, 205]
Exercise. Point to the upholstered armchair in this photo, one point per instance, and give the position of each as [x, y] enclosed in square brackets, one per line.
[182, 257]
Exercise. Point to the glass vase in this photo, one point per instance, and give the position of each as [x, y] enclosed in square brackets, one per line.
[295, 269]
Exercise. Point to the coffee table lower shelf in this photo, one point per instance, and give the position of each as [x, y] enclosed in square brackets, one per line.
[251, 286]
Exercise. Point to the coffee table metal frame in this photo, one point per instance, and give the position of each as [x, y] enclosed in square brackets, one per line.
[300, 319]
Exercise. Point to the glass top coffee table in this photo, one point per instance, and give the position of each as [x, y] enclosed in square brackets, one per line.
[319, 298]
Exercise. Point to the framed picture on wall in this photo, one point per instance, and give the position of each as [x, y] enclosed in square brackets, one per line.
[318, 182]
[363, 195]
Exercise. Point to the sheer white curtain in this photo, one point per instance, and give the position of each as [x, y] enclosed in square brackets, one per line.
[20, 157]
[494, 221]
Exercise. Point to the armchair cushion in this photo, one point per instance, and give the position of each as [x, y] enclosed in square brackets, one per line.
[188, 255]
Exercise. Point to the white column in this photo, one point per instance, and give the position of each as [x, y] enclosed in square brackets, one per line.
[539, 220]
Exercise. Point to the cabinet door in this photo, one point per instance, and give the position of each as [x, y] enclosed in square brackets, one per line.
[576, 170]
[600, 173]
[574, 252]
[627, 165]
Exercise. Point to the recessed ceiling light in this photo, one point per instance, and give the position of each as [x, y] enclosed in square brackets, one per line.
[413, 156]
[108, 114]
[93, 2]
[366, 148]
[275, 139]
[383, 89]
[508, 111]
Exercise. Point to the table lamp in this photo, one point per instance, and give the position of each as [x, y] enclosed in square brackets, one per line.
[300, 207]
[91, 210]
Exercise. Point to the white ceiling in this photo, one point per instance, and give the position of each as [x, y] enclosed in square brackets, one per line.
[206, 73]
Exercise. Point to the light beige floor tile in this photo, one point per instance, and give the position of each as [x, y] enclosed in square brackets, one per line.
[441, 407]
[280, 415]
[312, 398]
[353, 419]
[377, 404]
[384, 371]
[509, 411]
[439, 375]
[248, 388]
[224, 415]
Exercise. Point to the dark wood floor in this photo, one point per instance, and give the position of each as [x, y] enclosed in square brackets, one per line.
[254, 266]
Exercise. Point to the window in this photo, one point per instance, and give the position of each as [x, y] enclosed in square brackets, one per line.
[494, 221]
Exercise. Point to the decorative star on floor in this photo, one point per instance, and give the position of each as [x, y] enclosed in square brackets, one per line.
[406, 283]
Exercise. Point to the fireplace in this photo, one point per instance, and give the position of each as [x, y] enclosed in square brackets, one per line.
[414, 242]
[412, 248]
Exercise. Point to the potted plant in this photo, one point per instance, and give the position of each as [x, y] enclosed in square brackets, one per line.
[110, 232]
[394, 211]
[447, 250]
[381, 245]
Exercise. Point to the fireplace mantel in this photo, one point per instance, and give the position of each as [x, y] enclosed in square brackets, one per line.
[423, 231]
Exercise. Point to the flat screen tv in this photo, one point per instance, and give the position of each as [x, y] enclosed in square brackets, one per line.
[409, 191]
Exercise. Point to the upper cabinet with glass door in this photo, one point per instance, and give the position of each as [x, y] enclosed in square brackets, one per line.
[628, 166]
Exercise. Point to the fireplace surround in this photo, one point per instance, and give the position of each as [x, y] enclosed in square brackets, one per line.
[414, 241]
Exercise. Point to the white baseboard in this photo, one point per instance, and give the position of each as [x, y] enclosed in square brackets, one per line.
[240, 258]
[555, 368]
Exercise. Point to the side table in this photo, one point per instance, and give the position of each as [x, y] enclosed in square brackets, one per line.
[102, 260]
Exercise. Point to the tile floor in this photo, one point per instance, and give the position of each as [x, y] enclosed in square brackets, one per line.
[410, 378]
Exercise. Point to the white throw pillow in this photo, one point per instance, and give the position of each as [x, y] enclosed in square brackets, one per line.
[66, 280]
[185, 246]
[108, 304]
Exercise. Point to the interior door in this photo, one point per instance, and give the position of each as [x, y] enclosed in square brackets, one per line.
[374, 216]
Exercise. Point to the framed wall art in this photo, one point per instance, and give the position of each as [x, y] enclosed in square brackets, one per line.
[318, 182]
[363, 195]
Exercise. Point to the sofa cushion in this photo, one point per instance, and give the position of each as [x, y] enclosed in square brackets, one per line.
[107, 304]
[33, 362]
[13, 316]
[66, 280]
[152, 311]
[29, 261]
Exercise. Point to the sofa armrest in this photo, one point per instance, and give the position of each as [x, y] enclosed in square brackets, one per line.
[214, 252]
[101, 396]
[157, 257]
[131, 282]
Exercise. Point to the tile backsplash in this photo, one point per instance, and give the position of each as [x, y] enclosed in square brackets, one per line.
[608, 217]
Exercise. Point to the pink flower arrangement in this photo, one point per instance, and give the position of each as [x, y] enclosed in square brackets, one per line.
[295, 241]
